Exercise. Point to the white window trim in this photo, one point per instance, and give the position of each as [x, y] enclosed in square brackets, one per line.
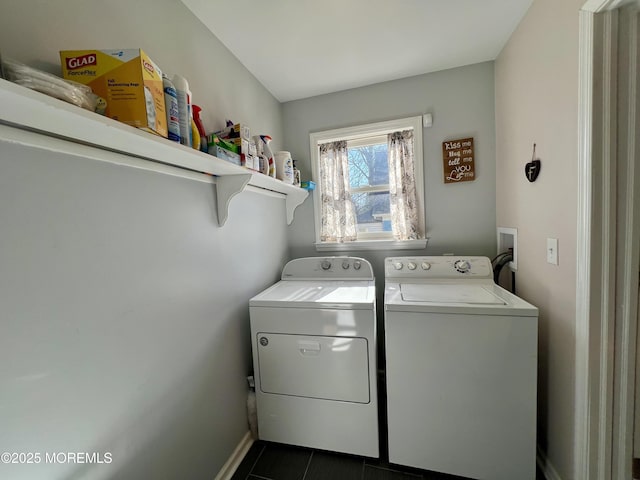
[351, 133]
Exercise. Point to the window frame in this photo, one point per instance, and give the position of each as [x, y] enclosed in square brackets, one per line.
[373, 242]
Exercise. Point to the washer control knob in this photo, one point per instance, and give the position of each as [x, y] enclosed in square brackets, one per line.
[398, 265]
[345, 265]
[357, 264]
[426, 265]
[462, 266]
[325, 264]
[411, 266]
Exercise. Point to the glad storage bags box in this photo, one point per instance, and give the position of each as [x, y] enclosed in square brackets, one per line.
[129, 81]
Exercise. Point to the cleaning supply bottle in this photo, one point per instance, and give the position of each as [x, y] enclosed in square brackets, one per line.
[266, 139]
[195, 136]
[296, 175]
[263, 160]
[199, 125]
[284, 166]
[184, 108]
[171, 106]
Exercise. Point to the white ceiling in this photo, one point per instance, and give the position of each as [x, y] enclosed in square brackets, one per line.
[303, 48]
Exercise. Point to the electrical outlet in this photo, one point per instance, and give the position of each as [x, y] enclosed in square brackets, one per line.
[552, 251]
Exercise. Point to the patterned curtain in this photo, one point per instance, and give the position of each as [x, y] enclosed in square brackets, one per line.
[338, 212]
[402, 186]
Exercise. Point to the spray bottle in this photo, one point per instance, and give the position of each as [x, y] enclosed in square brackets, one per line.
[266, 139]
[200, 126]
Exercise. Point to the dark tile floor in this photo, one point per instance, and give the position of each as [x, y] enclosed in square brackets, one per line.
[274, 461]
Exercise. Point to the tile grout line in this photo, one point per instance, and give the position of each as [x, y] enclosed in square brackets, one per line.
[306, 470]
[255, 462]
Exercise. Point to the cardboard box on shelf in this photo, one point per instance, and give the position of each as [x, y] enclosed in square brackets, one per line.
[129, 81]
[250, 161]
[218, 151]
[237, 130]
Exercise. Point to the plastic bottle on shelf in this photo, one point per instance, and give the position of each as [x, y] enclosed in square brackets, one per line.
[263, 160]
[284, 166]
[184, 108]
[266, 139]
[195, 136]
[200, 126]
[296, 175]
[171, 106]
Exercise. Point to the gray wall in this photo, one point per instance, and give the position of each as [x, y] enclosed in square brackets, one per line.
[124, 317]
[460, 218]
[123, 306]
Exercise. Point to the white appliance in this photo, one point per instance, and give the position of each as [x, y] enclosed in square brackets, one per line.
[461, 369]
[314, 356]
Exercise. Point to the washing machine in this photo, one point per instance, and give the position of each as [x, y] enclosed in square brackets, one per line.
[461, 369]
[313, 338]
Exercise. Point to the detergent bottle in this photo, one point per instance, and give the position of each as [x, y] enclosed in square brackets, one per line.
[284, 166]
[269, 154]
[199, 125]
[262, 158]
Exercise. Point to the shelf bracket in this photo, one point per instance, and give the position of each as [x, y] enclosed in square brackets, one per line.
[227, 187]
[293, 200]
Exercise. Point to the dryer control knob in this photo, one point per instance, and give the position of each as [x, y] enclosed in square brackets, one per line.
[345, 265]
[325, 264]
[426, 265]
[411, 266]
[398, 265]
[357, 264]
[462, 266]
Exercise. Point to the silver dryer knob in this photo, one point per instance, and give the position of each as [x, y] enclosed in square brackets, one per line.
[462, 266]
[345, 265]
[357, 264]
[325, 264]
[398, 265]
[411, 266]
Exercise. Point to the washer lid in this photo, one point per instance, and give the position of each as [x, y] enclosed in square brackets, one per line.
[480, 298]
[317, 294]
[465, 294]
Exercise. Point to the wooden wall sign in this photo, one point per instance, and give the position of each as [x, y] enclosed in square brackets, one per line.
[457, 159]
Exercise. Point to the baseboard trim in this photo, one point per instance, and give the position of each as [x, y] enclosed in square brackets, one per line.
[232, 464]
[545, 465]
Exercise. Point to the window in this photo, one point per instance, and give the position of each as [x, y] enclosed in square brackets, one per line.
[369, 186]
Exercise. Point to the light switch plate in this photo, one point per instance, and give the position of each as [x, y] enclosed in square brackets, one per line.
[552, 251]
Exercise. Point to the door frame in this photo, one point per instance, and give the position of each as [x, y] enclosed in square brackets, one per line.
[607, 253]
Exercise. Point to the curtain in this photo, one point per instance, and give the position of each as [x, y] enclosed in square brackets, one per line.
[337, 210]
[402, 186]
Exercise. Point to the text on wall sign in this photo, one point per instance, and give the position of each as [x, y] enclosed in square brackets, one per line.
[457, 160]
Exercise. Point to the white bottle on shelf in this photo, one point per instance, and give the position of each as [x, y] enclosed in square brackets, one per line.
[284, 166]
[171, 107]
[184, 108]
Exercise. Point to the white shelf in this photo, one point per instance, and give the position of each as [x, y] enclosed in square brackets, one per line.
[34, 111]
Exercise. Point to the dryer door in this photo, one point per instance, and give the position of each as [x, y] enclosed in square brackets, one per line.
[329, 368]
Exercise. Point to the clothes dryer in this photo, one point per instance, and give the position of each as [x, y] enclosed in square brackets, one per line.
[461, 369]
[313, 338]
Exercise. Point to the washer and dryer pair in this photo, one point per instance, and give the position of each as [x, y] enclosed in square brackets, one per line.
[461, 364]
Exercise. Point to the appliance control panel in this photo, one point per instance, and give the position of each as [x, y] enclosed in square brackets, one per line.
[438, 267]
[328, 268]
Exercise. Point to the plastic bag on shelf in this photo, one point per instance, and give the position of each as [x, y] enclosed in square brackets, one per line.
[67, 90]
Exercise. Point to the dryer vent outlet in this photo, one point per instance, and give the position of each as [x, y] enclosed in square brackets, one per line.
[508, 238]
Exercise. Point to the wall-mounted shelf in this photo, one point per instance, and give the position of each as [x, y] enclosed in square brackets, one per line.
[28, 109]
